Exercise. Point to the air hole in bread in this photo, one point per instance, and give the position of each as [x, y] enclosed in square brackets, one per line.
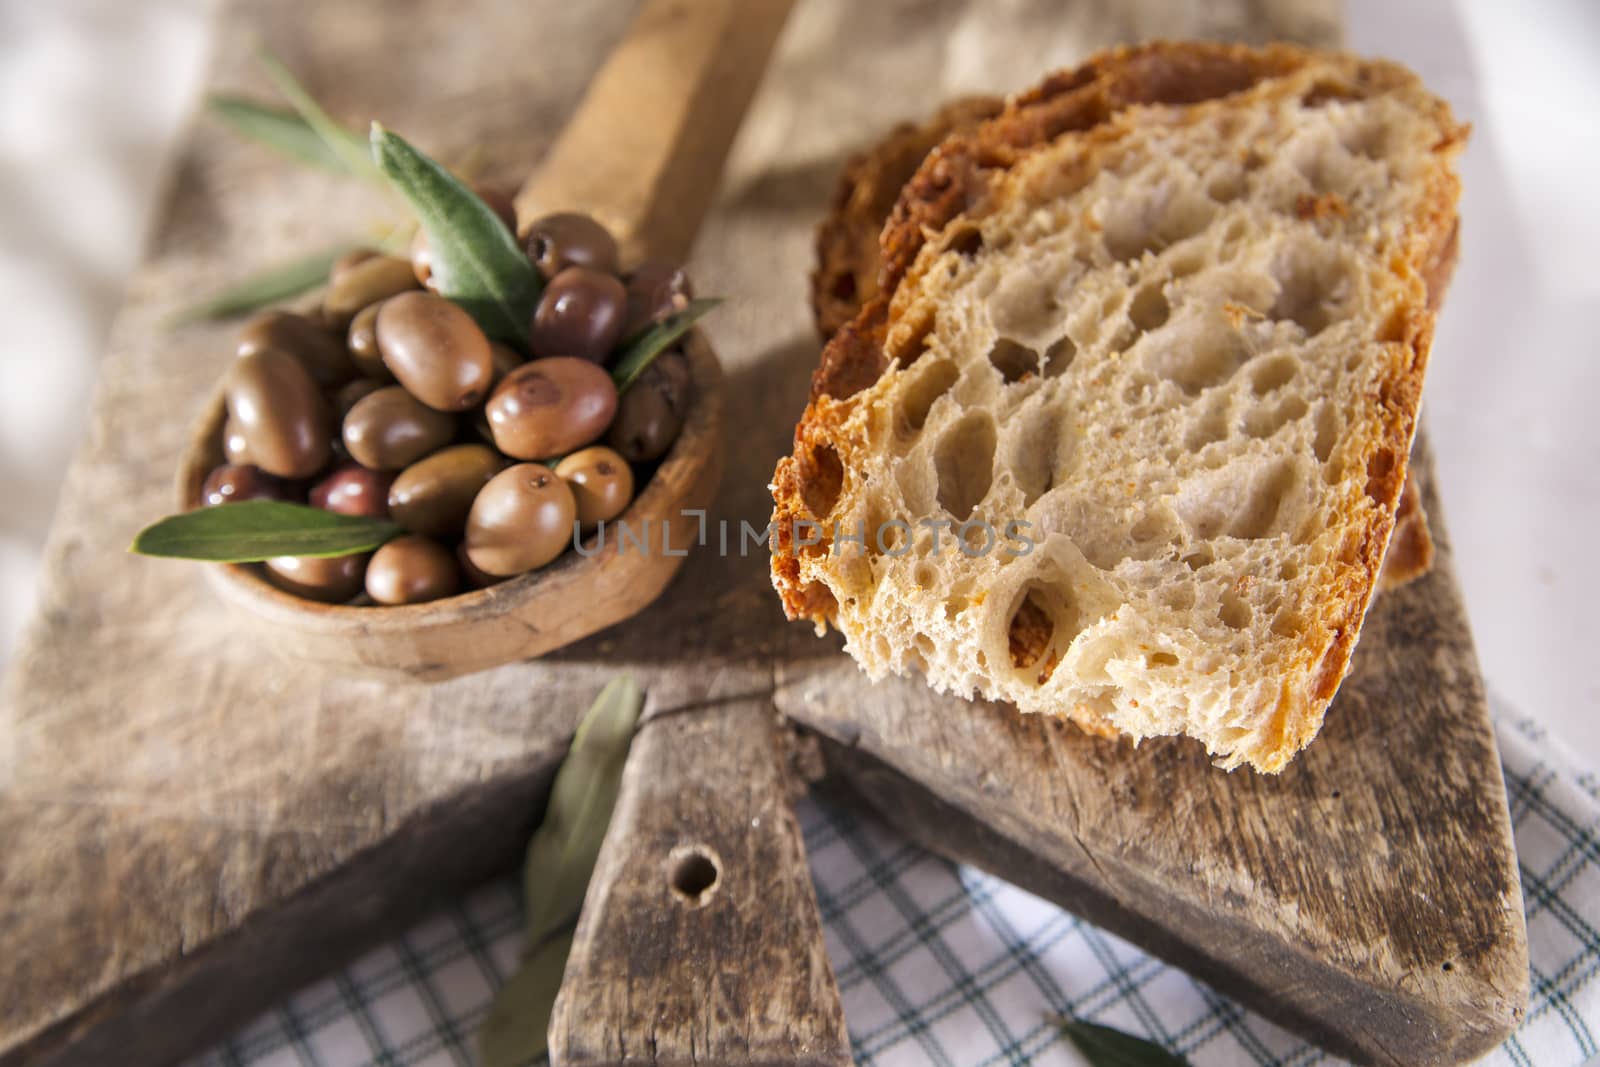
[1148, 528]
[925, 576]
[966, 242]
[924, 644]
[821, 479]
[1327, 431]
[1235, 612]
[1380, 476]
[1287, 623]
[1396, 326]
[1208, 429]
[1289, 571]
[1043, 617]
[1200, 354]
[964, 463]
[1160, 659]
[1034, 453]
[1199, 559]
[1240, 500]
[1312, 286]
[1263, 422]
[1149, 309]
[1013, 359]
[844, 287]
[1059, 356]
[1325, 91]
[918, 398]
[1275, 372]
[1225, 185]
[907, 342]
[1129, 232]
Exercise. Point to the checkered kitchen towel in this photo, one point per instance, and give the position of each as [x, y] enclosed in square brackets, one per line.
[941, 964]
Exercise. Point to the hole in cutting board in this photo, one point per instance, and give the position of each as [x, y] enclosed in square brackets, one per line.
[693, 872]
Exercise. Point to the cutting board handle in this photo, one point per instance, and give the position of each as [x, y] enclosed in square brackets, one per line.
[646, 146]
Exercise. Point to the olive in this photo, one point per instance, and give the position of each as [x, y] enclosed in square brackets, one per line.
[362, 342]
[234, 445]
[580, 314]
[352, 391]
[498, 200]
[411, 569]
[329, 580]
[342, 265]
[476, 578]
[305, 340]
[352, 489]
[436, 351]
[283, 417]
[657, 290]
[504, 359]
[367, 282]
[391, 429]
[650, 414]
[520, 521]
[601, 482]
[434, 495]
[422, 260]
[551, 406]
[233, 482]
[568, 239]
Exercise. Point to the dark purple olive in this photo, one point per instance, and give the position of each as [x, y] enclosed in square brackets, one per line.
[317, 350]
[436, 351]
[569, 239]
[651, 413]
[410, 570]
[233, 482]
[285, 421]
[550, 407]
[658, 290]
[330, 581]
[351, 489]
[580, 313]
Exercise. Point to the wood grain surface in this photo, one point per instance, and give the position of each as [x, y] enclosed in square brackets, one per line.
[192, 827]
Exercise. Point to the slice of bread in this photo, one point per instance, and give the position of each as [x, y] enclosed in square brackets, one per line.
[1159, 329]
[846, 275]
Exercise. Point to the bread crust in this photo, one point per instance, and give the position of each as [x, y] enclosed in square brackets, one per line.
[960, 174]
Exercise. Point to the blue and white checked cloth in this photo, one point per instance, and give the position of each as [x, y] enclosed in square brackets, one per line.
[944, 965]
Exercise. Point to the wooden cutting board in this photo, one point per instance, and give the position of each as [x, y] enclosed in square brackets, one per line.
[190, 830]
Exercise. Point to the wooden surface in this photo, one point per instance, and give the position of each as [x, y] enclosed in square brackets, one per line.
[191, 827]
[700, 941]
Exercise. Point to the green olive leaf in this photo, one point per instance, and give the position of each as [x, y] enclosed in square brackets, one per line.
[561, 858]
[279, 128]
[637, 352]
[342, 142]
[517, 1027]
[1104, 1047]
[253, 530]
[476, 262]
[268, 287]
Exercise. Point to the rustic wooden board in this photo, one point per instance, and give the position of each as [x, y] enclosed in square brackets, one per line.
[191, 828]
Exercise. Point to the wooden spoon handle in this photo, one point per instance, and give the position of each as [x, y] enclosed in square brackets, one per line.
[647, 144]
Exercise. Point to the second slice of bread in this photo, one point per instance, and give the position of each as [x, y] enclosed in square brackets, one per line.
[1170, 313]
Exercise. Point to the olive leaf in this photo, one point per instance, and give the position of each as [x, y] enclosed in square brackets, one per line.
[561, 857]
[1104, 1047]
[340, 141]
[268, 287]
[278, 128]
[638, 351]
[253, 530]
[476, 262]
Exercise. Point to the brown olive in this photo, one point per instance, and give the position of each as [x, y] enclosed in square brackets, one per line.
[285, 422]
[504, 360]
[551, 406]
[352, 391]
[342, 265]
[234, 445]
[568, 239]
[352, 489]
[580, 314]
[305, 340]
[362, 343]
[410, 570]
[233, 482]
[329, 580]
[434, 495]
[367, 282]
[601, 481]
[520, 521]
[657, 290]
[650, 414]
[436, 351]
[391, 429]
[422, 260]
[474, 577]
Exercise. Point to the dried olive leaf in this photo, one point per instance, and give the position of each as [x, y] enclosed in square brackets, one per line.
[279, 128]
[517, 1027]
[1104, 1047]
[254, 530]
[561, 857]
[342, 142]
[476, 262]
[268, 287]
[639, 350]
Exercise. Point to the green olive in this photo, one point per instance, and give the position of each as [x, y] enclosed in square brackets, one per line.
[285, 422]
[362, 343]
[650, 414]
[601, 482]
[390, 429]
[411, 570]
[435, 350]
[331, 581]
[520, 521]
[551, 406]
[434, 495]
[365, 283]
[305, 340]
